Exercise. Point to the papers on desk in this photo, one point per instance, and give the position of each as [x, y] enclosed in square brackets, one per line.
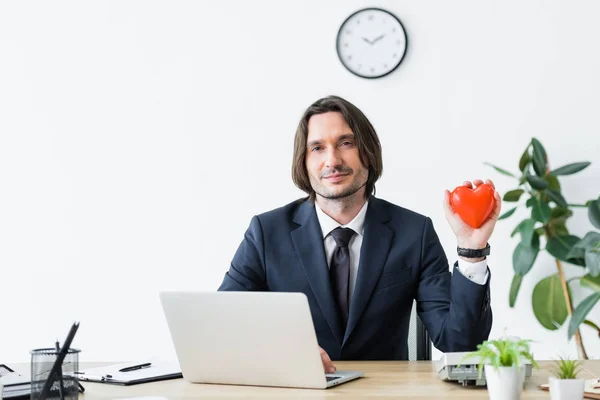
[13, 379]
[15, 385]
[111, 374]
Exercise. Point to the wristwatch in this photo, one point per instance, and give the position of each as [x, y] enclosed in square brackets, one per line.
[473, 253]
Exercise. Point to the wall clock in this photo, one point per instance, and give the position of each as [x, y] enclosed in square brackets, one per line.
[371, 43]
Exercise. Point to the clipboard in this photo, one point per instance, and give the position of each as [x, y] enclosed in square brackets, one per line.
[157, 371]
[15, 385]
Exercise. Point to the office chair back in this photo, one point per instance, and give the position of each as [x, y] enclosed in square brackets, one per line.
[419, 343]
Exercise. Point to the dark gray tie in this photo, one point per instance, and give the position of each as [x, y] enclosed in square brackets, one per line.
[339, 270]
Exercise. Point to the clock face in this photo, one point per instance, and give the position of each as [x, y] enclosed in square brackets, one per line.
[371, 43]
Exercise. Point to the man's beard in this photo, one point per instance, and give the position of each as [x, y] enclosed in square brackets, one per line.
[329, 194]
[346, 193]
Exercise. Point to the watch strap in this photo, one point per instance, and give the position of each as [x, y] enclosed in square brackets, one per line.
[473, 253]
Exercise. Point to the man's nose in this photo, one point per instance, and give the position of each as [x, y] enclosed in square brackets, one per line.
[333, 158]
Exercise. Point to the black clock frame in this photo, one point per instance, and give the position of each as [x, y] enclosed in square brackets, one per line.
[337, 42]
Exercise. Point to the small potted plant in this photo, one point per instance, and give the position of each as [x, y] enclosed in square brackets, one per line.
[565, 385]
[503, 361]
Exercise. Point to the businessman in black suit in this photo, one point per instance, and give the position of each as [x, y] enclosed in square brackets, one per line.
[360, 260]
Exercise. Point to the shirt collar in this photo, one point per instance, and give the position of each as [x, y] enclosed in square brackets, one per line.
[328, 224]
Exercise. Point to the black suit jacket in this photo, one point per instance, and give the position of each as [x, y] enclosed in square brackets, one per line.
[401, 260]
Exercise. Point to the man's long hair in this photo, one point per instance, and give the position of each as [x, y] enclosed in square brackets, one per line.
[369, 147]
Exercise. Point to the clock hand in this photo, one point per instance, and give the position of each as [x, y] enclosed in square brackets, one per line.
[367, 40]
[377, 38]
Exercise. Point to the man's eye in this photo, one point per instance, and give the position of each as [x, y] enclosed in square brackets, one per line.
[347, 143]
[316, 148]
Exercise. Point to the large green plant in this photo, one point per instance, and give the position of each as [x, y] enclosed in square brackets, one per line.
[538, 189]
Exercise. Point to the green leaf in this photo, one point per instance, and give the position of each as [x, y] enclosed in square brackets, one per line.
[501, 353]
[576, 256]
[591, 240]
[530, 202]
[581, 311]
[541, 211]
[557, 227]
[539, 157]
[592, 325]
[525, 228]
[557, 197]
[525, 159]
[536, 182]
[513, 195]
[507, 214]
[540, 231]
[553, 182]
[560, 246]
[561, 230]
[524, 256]
[594, 213]
[591, 282]
[514, 289]
[518, 228]
[567, 368]
[570, 168]
[560, 213]
[501, 170]
[592, 261]
[557, 222]
[548, 303]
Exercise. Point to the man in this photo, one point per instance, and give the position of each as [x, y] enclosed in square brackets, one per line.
[360, 260]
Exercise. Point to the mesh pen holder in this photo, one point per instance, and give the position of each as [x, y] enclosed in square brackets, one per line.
[64, 383]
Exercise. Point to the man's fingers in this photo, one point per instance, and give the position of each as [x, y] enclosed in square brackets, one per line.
[498, 203]
[327, 364]
[477, 182]
[447, 206]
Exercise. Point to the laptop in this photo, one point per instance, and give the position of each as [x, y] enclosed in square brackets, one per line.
[247, 338]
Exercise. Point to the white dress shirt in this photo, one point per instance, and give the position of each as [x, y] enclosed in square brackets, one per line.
[476, 271]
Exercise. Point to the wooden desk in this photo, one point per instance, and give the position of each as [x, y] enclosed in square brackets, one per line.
[404, 379]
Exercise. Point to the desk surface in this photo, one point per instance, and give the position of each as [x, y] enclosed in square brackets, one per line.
[405, 379]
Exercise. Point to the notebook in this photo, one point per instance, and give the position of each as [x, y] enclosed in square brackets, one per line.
[16, 386]
[157, 371]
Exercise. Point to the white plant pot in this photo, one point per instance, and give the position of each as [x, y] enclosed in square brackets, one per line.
[504, 383]
[566, 389]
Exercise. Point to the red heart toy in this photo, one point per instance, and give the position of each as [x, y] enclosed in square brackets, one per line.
[473, 205]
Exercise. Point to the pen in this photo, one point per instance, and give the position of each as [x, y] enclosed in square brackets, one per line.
[60, 377]
[135, 367]
[76, 375]
[81, 388]
[85, 377]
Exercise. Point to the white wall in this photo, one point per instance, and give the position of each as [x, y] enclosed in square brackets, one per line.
[138, 138]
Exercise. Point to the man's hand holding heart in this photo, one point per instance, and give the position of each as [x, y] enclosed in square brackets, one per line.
[472, 210]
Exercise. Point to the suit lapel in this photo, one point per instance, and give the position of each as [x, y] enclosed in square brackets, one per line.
[308, 241]
[375, 247]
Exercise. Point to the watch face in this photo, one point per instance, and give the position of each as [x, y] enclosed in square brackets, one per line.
[371, 43]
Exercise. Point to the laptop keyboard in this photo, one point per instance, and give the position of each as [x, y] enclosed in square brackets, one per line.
[331, 378]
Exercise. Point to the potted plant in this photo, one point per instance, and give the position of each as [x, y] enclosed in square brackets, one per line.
[565, 385]
[503, 362]
[538, 193]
